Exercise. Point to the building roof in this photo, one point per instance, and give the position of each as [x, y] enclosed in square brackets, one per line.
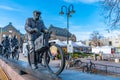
[10, 26]
[59, 31]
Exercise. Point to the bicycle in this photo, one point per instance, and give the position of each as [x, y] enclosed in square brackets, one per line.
[49, 51]
[72, 62]
[6, 53]
[15, 52]
[89, 67]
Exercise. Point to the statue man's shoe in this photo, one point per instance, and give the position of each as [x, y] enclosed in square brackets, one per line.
[33, 66]
[40, 65]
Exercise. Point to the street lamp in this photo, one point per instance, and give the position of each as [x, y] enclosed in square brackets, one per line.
[69, 11]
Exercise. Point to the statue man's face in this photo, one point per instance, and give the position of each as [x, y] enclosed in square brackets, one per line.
[36, 16]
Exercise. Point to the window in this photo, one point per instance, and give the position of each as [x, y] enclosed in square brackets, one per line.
[98, 43]
[10, 31]
[4, 35]
[110, 43]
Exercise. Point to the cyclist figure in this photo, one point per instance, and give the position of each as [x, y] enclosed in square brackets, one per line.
[14, 43]
[34, 28]
[5, 45]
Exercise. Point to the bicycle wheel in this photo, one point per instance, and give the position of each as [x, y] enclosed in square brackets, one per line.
[40, 58]
[29, 59]
[85, 68]
[6, 55]
[57, 59]
[16, 55]
[77, 63]
[13, 55]
[92, 68]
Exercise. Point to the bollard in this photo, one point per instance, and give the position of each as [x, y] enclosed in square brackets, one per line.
[95, 57]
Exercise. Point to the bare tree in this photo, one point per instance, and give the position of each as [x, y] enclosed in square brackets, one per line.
[95, 37]
[112, 13]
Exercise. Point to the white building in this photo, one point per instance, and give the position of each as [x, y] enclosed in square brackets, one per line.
[113, 40]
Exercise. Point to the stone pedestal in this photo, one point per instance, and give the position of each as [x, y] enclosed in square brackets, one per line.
[10, 72]
[40, 73]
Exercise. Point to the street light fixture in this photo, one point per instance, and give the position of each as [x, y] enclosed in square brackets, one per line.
[69, 11]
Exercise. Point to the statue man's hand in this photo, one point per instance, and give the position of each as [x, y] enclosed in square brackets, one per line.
[35, 30]
[46, 31]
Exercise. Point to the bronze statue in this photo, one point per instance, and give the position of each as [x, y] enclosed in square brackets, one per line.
[34, 28]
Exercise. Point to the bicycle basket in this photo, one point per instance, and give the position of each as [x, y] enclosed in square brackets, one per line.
[39, 43]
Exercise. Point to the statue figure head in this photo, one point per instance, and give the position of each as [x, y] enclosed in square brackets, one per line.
[36, 14]
[6, 37]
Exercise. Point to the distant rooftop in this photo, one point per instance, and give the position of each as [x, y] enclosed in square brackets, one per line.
[10, 26]
[59, 31]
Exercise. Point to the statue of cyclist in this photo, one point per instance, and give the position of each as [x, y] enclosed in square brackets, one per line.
[34, 28]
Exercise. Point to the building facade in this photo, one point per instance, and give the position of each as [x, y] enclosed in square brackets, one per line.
[61, 34]
[57, 33]
[113, 41]
[9, 30]
[94, 43]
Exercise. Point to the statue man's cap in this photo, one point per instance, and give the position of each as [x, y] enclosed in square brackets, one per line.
[36, 11]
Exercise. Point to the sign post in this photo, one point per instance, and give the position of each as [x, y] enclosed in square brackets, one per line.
[69, 48]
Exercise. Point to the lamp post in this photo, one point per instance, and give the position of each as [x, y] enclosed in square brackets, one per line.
[69, 11]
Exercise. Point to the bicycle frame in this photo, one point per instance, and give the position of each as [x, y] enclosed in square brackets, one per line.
[48, 44]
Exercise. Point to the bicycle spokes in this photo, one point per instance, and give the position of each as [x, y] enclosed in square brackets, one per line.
[57, 61]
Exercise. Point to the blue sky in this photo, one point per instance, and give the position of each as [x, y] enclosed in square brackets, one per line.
[86, 19]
